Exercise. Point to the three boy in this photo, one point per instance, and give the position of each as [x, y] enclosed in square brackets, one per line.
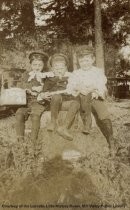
[85, 86]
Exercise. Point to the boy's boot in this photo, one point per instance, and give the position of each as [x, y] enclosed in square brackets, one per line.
[20, 127]
[107, 130]
[64, 130]
[56, 103]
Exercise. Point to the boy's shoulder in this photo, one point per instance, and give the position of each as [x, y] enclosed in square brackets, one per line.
[95, 68]
[98, 71]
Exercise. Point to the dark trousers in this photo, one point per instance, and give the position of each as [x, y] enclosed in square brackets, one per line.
[22, 115]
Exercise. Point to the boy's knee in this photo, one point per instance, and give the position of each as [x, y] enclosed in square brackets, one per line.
[20, 117]
[56, 98]
[35, 117]
[75, 105]
[100, 110]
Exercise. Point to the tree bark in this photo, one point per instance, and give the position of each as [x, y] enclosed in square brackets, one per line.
[129, 4]
[99, 49]
[27, 16]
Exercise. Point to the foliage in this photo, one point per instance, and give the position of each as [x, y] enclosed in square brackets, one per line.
[75, 19]
[115, 20]
[70, 19]
[16, 17]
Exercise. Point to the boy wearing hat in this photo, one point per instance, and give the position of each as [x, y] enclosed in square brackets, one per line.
[90, 83]
[33, 83]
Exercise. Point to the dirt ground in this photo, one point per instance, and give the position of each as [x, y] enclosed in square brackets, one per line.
[73, 175]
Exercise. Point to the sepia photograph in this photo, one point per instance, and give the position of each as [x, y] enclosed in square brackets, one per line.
[65, 104]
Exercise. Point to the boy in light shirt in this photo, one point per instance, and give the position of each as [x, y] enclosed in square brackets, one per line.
[89, 82]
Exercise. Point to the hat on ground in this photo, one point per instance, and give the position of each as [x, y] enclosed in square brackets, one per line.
[38, 56]
[58, 57]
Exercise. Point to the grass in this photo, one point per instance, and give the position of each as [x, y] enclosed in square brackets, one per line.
[95, 178]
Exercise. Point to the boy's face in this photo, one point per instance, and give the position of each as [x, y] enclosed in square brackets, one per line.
[59, 68]
[37, 65]
[86, 62]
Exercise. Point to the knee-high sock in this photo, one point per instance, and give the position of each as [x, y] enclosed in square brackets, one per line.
[85, 110]
[74, 107]
[56, 102]
[107, 130]
[20, 125]
[35, 126]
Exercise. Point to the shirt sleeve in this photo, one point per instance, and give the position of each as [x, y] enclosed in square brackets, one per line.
[73, 84]
[101, 82]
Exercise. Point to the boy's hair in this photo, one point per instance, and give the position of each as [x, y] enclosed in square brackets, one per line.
[38, 56]
[58, 57]
[85, 51]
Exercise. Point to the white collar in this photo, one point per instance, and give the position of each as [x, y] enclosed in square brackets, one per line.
[35, 74]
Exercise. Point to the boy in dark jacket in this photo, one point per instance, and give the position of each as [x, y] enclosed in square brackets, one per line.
[51, 95]
[33, 83]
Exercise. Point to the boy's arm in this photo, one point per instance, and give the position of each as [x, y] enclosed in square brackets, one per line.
[38, 89]
[25, 84]
[100, 85]
[24, 81]
[77, 84]
[73, 85]
[45, 91]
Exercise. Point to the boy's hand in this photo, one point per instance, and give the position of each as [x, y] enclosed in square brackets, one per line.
[46, 96]
[37, 89]
[87, 90]
[95, 95]
[31, 92]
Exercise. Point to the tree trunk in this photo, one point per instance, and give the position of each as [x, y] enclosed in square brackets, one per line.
[129, 4]
[27, 16]
[98, 36]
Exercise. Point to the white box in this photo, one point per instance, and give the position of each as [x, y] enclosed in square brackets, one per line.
[13, 96]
